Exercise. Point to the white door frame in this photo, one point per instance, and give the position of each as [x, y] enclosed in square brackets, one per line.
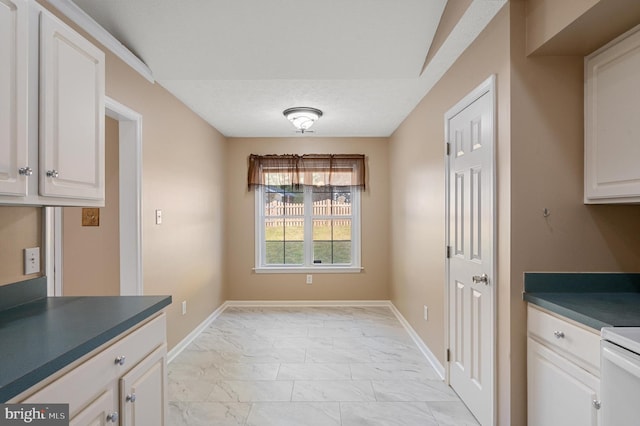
[130, 187]
[487, 86]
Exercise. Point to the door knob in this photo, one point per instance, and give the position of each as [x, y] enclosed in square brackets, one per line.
[52, 173]
[113, 417]
[484, 278]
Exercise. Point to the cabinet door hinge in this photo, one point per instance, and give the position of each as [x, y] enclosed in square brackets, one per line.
[448, 355]
[448, 252]
[448, 148]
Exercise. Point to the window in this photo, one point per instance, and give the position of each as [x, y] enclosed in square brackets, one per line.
[308, 219]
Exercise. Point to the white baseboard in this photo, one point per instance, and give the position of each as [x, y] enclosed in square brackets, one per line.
[439, 368]
[182, 345]
[301, 303]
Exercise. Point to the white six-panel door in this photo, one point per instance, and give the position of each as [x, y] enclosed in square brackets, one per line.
[470, 284]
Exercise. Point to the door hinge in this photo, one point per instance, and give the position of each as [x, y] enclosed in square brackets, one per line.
[448, 355]
[448, 148]
[448, 252]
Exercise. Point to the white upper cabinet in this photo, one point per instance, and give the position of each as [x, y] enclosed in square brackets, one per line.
[51, 110]
[14, 166]
[71, 113]
[612, 122]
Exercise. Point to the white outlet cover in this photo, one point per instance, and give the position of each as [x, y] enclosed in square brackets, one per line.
[426, 313]
[31, 260]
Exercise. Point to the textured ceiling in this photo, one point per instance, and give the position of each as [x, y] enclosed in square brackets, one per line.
[240, 63]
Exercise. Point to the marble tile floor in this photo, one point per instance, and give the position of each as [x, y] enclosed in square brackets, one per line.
[307, 366]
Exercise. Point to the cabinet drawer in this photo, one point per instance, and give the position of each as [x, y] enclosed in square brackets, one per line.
[578, 344]
[134, 347]
[85, 383]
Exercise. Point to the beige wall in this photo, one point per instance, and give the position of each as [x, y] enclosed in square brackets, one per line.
[183, 175]
[547, 172]
[539, 165]
[453, 11]
[20, 228]
[91, 254]
[546, 18]
[243, 284]
[577, 27]
[418, 196]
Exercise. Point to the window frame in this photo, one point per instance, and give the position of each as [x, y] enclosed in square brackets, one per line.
[308, 266]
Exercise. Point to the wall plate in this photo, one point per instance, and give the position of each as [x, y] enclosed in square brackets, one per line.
[31, 260]
[90, 217]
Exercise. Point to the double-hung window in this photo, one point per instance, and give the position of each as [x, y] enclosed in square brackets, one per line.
[307, 212]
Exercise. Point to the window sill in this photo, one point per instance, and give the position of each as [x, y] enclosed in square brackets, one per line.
[305, 270]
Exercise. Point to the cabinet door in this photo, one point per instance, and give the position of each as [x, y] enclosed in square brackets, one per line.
[71, 113]
[612, 107]
[13, 97]
[559, 392]
[143, 393]
[99, 413]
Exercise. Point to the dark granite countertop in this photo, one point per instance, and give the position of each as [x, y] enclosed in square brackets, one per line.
[43, 335]
[594, 299]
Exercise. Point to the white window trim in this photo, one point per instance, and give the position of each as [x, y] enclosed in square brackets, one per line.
[356, 256]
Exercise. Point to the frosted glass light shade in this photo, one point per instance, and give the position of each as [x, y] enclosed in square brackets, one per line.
[302, 117]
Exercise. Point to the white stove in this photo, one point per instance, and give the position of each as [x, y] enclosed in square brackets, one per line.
[626, 337]
[620, 376]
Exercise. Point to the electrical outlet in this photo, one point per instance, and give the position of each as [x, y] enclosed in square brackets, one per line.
[158, 217]
[31, 260]
[426, 313]
[184, 307]
[309, 279]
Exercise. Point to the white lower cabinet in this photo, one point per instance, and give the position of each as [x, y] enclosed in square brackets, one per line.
[563, 383]
[143, 391]
[98, 413]
[560, 393]
[123, 384]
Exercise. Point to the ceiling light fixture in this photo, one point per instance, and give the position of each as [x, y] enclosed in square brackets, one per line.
[302, 117]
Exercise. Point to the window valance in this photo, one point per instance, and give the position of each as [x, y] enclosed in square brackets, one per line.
[309, 169]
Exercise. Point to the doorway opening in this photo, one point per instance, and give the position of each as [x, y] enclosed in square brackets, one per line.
[129, 158]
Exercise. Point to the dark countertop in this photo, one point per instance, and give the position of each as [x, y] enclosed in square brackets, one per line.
[41, 336]
[594, 299]
[595, 310]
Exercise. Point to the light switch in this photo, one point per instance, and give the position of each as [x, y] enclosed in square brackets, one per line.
[158, 217]
[31, 260]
